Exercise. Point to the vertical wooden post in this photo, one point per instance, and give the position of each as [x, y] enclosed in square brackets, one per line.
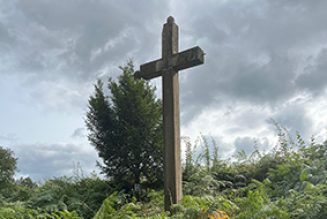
[168, 67]
[171, 120]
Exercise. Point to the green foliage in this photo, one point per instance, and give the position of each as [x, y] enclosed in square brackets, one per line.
[200, 207]
[81, 195]
[22, 190]
[190, 207]
[77, 196]
[256, 204]
[126, 130]
[206, 153]
[284, 183]
[301, 182]
[7, 171]
[116, 206]
[19, 211]
[289, 182]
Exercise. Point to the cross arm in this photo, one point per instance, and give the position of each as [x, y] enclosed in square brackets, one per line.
[179, 61]
[150, 70]
[188, 58]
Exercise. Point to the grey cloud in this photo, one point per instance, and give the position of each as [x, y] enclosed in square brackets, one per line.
[246, 144]
[247, 119]
[225, 150]
[315, 78]
[238, 80]
[249, 144]
[254, 51]
[78, 133]
[5, 37]
[91, 35]
[260, 84]
[252, 48]
[40, 161]
[73, 42]
[294, 119]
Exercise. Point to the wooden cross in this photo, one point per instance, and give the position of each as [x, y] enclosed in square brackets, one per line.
[168, 67]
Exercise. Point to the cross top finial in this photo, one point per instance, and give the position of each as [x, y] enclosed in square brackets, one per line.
[170, 19]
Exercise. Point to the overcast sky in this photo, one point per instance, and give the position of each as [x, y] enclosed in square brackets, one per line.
[264, 60]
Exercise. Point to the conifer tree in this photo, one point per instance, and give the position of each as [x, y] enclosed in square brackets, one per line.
[7, 170]
[126, 130]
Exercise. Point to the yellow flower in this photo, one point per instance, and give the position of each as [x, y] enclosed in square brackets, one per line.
[218, 215]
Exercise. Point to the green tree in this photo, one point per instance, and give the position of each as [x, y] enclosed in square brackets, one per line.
[126, 130]
[7, 170]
